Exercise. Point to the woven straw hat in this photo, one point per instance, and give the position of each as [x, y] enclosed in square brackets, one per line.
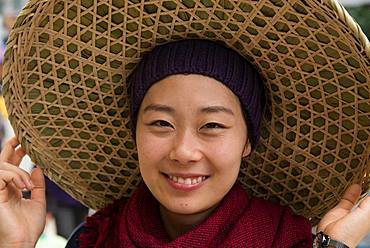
[65, 72]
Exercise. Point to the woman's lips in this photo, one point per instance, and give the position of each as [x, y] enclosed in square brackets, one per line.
[186, 182]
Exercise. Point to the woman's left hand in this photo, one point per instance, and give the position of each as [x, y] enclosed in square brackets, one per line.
[344, 224]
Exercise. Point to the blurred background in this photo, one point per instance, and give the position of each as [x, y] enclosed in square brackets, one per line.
[64, 213]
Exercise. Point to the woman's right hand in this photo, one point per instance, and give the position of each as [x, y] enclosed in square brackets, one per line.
[21, 220]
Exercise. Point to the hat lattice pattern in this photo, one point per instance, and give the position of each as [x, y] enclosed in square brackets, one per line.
[67, 61]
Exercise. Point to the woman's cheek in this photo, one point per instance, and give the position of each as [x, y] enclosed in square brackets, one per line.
[151, 148]
[227, 150]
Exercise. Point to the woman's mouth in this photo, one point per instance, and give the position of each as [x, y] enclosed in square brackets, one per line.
[186, 182]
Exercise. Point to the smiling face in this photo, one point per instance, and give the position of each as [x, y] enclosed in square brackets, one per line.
[191, 137]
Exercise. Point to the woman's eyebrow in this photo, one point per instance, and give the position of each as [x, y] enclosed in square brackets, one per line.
[216, 109]
[160, 108]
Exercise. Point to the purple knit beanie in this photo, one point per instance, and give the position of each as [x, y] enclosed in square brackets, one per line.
[207, 58]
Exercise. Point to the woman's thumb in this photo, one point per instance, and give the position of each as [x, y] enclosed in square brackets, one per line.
[38, 181]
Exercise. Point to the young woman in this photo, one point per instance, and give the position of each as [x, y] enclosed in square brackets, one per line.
[194, 119]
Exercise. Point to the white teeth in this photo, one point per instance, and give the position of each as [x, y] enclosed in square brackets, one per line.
[187, 181]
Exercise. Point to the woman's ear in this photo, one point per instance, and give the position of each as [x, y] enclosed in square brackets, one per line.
[247, 149]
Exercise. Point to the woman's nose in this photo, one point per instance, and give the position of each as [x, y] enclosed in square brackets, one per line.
[186, 149]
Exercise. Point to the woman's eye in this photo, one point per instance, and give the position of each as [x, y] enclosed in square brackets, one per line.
[160, 123]
[212, 125]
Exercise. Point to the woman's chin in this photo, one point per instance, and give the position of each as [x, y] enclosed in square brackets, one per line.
[186, 208]
[183, 209]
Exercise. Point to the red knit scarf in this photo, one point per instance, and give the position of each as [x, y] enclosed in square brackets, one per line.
[236, 222]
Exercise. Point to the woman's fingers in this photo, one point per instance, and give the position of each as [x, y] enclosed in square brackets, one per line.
[11, 153]
[354, 226]
[342, 209]
[9, 148]
[341, 221]
[350, 197]
[6, 177]
[10, 158]
[25, 177]
[10, 174]
[38, 191]
[12, 180]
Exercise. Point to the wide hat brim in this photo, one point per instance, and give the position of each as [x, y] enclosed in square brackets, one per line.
[65, 89]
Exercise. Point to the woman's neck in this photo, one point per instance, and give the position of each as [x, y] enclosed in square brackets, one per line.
[178, 224]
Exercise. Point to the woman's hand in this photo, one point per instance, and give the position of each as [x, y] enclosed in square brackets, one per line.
[344, 224]
[21, 220]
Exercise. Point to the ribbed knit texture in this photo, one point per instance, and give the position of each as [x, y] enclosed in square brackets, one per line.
[206, 58]
[236, 222]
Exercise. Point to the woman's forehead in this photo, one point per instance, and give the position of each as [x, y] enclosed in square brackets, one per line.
[192, 89]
